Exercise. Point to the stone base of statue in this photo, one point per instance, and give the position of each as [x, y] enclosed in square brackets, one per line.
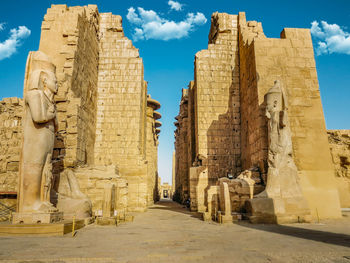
[278, 210]
[53, 229]
[36, 218]
[226, 219]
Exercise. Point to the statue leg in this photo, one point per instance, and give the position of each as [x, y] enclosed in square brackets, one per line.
[31, 186]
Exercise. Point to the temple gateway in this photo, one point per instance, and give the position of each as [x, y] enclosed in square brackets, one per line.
[250, 139]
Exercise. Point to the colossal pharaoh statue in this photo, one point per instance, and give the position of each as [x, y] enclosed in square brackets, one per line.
[39, 125]
[282, 200]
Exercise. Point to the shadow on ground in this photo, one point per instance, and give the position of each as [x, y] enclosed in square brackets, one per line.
[310, 234]
[287, 230]
[167, 204]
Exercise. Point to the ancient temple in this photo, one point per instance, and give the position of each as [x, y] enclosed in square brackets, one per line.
[250, 135]
[222, 129]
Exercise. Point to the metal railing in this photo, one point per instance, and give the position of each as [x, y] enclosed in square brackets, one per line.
[6, 211]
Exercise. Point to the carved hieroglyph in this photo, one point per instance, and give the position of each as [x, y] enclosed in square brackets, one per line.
[39, 125]
[282, 200]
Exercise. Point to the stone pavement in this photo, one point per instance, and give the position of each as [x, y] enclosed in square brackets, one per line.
[169, 233]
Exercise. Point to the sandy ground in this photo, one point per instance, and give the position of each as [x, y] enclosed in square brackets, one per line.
[167, 232]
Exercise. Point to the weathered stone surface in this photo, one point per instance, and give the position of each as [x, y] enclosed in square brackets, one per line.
[11, 110]
[92, 182]
[339, 142]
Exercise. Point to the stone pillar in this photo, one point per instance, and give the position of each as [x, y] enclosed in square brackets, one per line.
[108, 200]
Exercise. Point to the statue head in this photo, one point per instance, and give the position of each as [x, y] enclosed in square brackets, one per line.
[273, 98]
[42, 72]
[47, 81]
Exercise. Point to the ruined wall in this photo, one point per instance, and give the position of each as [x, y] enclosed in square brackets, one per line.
[339, 142]
[173, 175]
[93, 180]
[181, 149]
[120, 97]
[290, 60]
[70, 38]
[254, 129]
[217, 99]
[213, 140]
[152, 150]
[121, 109]
[191, 127]
[11, 110]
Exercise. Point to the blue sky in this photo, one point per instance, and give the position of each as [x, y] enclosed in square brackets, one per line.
[169, 37]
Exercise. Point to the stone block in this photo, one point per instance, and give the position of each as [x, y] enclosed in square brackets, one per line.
[36, 218]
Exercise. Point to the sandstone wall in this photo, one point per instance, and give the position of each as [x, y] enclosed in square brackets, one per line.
[152, 150]
[92, 181]
[181, 149]
[216, 84]
[339, 142]
[121, 125]
[254, 129]
[213, 113]
[173, 175]
[11, 110]
[70, 37]
[121, 96]
[290, 60]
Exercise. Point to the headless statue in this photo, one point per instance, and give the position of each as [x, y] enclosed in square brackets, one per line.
[39, 126]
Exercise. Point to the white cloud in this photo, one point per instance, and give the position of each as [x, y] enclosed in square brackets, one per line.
[148, 16]
[149, 25]
[175, 5]
[133, 17]
[138, 35]
[2, 26]
[331, 38]
[10, 45]
[197, 19]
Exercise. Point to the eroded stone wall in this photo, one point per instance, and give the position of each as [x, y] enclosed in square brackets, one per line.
[213, 126]
[70, 38]
[152, 150]
[120, 98]
[182, 150]
[339, 142]
[121, 109]
[217, 104]
[11, 110]
[93, 180]
[254, 129]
